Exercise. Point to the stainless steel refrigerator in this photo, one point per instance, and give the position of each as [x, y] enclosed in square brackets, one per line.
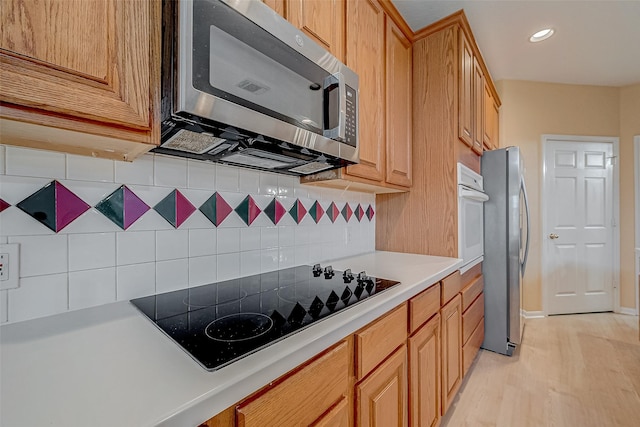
[506, 247]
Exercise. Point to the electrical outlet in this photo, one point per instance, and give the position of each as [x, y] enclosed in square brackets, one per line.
[9, 265]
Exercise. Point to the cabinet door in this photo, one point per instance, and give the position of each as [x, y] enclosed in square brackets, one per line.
[451, 350]
[424, 375]
[465, 90]
[304, 395]
[496, 125]
[322, 20]
[277, 5]
[89, 66]
[365, 55]
[489, 121]
[399, 107]
[381, 398]
[478, 106]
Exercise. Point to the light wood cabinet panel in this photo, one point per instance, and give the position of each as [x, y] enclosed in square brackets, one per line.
[399, 106]
[277, 5]
[424, 375]
[338, 416]
[381, 398]
[303, 396]
[451, 315]
[465, 91]
[377, 340]
[423, 306]
[322, 21]
[471, 317]
[471, 292]
[471, 348]
[366, 56]
[487, 138]
[478, 107]
[451, 286]
[89, 66]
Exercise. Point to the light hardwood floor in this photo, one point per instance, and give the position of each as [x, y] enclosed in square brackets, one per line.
[577, 370]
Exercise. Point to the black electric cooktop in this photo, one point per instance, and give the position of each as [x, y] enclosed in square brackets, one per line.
[220, 323]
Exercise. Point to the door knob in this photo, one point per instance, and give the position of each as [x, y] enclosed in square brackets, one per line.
[553, 236]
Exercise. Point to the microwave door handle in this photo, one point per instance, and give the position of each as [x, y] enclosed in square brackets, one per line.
[330, 82]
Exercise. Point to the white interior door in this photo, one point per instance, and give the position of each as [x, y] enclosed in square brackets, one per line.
[578, 226]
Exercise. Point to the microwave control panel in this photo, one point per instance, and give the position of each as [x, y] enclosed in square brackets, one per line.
[351, 120]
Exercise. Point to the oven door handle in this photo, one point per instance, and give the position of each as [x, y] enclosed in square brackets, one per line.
[467, 193]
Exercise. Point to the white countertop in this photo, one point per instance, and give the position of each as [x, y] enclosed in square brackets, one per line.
[110, 366]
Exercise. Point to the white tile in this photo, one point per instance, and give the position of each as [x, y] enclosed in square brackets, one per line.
[268, 184]
[4, 315]
[286, 185]
[151, 220]
[92, 221]
[90, 191]
[150, 195]
[170, 172]
[91, 251]
[315, 254]
[302, 255]
[14, 189]
[228, 240]
[201, 175]
[269, 237]
[250, 263]
[203, 242]
[286, 257]
[300, 191]
[286, 236]
[135, 281]
[269, 260]
[249, 238]
[38, 297]
[172, 244]
[41, 255]
[227, 178]
[2, 159]
[15, 222]
[172, 275]
[202, 270]
[89, 168]
[301, 235]
[228, 266]
[92, 287]
[34, 163]
[140, 171]
[249, 181]
[135, 247]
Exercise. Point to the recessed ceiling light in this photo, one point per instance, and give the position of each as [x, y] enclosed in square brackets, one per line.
[541, 35]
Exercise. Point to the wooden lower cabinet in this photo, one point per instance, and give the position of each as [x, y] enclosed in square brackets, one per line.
[381, 398]
[451, 320]
[337, 416]
[302, 397]
[424, 375]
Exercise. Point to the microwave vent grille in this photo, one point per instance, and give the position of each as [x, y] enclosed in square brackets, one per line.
[192, 142]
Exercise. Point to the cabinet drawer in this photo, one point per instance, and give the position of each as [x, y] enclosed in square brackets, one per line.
[470, 349]
[451, 286]
[472, 317]
[302, 396]
[471, 292]
[379, 339]
[423, 306]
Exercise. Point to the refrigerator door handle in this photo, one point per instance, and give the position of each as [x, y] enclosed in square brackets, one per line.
[526, 207]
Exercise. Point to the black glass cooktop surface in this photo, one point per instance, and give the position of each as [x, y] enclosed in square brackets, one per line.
[223, 322]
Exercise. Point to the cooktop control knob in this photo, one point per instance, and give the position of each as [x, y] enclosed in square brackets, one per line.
[328, 272]
[347, 276]
[317, 270]
[362, 277]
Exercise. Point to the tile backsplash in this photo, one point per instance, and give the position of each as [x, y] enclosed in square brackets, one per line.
[94, 231]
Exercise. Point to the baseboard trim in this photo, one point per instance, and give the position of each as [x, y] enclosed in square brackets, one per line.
[628, 310]
[533, 314]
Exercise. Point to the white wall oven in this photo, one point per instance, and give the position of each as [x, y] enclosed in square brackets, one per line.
[471, 197]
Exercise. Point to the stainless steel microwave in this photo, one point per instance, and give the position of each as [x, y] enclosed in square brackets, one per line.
[241, 85]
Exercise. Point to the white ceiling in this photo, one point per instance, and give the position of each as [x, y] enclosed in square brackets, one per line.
[595, 42]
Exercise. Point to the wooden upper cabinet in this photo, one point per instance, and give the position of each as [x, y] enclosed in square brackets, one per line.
[478, 107]
[87, 66]
[465, 91]
[365, 55]
[277, 5]
[491, 120]
[399, 106]
[321, 20]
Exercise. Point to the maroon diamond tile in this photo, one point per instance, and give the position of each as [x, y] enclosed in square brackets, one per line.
[3, 205]
[333, 212]
[370, 213]
[68, 206]
[359, 213]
